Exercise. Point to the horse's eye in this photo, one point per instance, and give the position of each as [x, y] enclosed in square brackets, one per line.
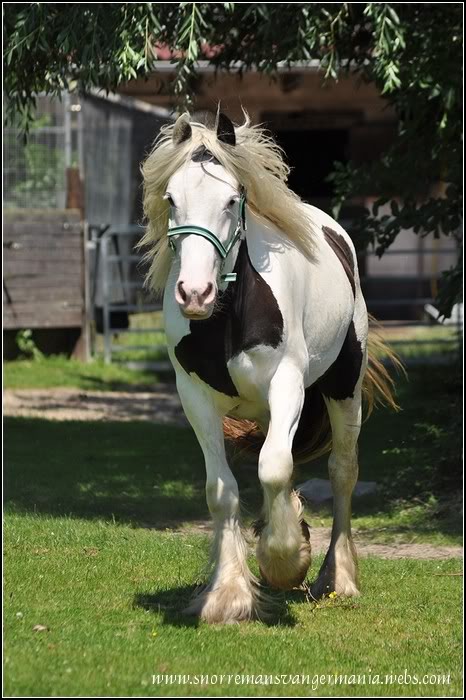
[232, 202]
[169, 199]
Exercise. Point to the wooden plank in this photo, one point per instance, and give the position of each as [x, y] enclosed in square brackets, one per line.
[14, 257]
[42, 228]
[59, 215]
[65, 319]
[33, 305]
[42, 241]
[42, 268]
[31, 281]
[74, 190]
[39, 315]
[24, 294]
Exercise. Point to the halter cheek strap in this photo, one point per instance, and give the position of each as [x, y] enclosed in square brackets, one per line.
[222, 250]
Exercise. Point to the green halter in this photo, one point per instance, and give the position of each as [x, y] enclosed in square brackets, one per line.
[222, 250]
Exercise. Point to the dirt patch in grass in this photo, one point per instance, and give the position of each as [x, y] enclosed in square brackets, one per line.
[320, 540]
[160, 406]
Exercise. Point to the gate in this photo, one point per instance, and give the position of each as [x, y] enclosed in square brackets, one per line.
[122, 296]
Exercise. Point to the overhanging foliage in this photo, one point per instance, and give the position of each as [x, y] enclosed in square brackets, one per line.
[412, 52]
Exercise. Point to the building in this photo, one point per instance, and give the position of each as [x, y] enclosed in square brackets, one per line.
[316, 125]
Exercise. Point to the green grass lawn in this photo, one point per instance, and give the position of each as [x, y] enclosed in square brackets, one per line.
[126, 470]
[110, 597]
[98, 552]
[60, 371]
[152, 474]
[423, 342]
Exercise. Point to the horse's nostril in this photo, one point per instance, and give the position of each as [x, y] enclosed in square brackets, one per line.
[181, 291]
[208, 290]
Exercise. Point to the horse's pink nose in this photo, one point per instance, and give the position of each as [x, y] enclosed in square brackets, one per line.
[194, 300]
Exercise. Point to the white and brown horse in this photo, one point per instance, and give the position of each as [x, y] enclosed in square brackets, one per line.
[265, 322]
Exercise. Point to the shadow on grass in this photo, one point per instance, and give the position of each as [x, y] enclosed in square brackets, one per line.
[151, 382]
[139, 473]
[171, 602]
[153, 475]
[97, 384]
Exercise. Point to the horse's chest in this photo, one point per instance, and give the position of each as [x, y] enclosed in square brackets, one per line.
[204, 353]
[247, 323]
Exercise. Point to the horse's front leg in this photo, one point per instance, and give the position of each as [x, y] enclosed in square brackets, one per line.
[283, 550]
[339, 571]
[232, 592]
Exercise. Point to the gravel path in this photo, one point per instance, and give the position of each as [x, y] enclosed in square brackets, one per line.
[163, 406]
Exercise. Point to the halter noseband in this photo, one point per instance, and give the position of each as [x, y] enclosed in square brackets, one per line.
[222, 250]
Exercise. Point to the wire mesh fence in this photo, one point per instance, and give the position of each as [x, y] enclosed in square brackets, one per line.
[34, 169]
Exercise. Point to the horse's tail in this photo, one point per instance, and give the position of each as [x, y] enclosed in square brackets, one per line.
[313, 437]
[245, 436]
[378, 385]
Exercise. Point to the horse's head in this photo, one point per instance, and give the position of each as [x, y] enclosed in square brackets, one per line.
[205, 221]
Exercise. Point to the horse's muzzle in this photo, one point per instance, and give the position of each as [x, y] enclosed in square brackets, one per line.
[195, 304]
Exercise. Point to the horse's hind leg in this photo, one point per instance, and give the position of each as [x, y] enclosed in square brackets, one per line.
[232, 593]
[339, 570]
[283, 551]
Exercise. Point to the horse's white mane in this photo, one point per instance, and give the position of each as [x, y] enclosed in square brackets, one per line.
[256, 161]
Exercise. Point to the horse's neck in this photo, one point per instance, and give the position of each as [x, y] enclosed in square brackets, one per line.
[253, 315]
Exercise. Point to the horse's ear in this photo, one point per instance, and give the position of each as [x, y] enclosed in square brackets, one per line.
[226, 130]
[182, 130]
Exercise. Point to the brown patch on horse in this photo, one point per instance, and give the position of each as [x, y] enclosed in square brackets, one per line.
[340, 379]
[343, 252]
[255, 317]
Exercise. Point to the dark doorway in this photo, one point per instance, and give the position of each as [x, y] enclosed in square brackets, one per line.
[311, 154]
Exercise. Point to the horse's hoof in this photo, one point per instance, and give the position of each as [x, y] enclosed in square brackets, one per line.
[227, 604]
[285, 570]
[324, 587]
[338, 574]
